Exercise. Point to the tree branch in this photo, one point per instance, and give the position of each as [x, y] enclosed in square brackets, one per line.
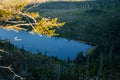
[11, 70]
[35, 4]
[24, 14]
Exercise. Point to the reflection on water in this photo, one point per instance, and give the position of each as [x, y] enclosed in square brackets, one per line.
[58, 47]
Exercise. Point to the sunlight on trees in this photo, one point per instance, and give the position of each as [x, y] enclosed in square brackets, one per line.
[15, 16]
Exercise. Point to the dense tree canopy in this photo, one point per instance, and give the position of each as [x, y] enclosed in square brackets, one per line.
[15, 16]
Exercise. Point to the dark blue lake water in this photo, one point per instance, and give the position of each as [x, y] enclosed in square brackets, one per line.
[58, 47]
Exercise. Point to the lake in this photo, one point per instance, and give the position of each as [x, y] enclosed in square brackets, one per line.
[51, 46]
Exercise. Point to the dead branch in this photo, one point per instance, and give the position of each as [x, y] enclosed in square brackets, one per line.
[11, 70]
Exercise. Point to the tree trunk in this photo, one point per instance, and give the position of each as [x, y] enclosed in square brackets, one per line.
[110, 58]
[101, 66]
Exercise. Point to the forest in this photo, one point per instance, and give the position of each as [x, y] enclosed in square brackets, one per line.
[96, 23]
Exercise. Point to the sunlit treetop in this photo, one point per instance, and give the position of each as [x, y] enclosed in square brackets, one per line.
[14, 16]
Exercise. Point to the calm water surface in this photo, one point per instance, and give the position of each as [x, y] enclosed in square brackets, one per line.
[58, 47]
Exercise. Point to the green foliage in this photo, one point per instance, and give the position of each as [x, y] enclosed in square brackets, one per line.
[97, 26]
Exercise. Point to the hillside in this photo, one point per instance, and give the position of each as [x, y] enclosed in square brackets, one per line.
[91, 22]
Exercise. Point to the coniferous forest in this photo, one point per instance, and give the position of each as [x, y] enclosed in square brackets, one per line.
[96, 23]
